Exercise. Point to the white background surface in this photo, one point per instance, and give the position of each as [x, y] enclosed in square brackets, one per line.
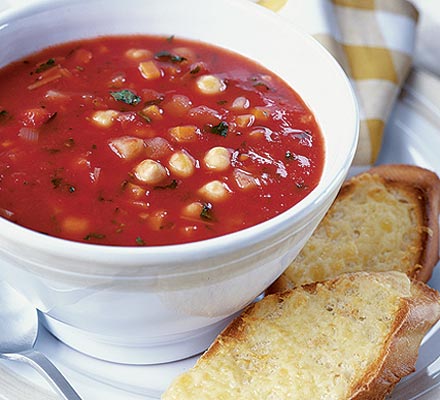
[427, 52]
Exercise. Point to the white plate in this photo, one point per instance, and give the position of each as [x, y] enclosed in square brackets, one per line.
[412, 137]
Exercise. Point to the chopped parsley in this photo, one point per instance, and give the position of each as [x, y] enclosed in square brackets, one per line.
[126, 96]
[56, 182]
[140, 241]
[171, 185]
[206, 212]
[94, 235]
[168, 57]
[195, 70]
[4, 116]
[45, 66]
[220, 129]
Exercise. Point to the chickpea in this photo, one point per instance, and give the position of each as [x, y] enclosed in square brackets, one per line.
[215, 191]
[218, 159]
[104, 118]
[134, 191]
[138, 54]
[181, 164]
[210, 84]
[192, 210]
[150, 172]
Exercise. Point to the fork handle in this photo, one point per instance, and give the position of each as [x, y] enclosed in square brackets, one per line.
[45, 367]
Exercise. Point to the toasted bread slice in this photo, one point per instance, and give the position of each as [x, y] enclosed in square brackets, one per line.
[353, 337]
[384, 219]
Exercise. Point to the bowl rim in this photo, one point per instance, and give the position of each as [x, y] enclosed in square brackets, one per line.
[205, 248]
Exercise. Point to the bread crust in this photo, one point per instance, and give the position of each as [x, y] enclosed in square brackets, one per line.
[418, 187]
[417, 310]
[416, 316]
[425, 185]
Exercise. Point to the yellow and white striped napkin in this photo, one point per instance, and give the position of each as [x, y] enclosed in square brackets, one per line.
[373, 40]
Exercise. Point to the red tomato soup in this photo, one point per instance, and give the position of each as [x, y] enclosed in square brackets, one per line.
[143, 140]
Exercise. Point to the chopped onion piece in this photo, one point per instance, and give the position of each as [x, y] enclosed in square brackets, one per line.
[157, 147]
[245, 180]
[127, 147]
[6, 213]
[55, 95]
[29, 134]
[94, 176]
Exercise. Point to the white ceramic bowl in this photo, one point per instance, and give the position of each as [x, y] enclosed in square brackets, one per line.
[149, 305]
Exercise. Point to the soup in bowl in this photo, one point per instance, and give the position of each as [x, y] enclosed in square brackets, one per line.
[161, 164]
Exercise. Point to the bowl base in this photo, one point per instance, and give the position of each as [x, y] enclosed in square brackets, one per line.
[108, 349]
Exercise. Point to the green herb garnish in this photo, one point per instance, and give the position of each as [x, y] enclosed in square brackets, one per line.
[59, 183]
[56, 182]
[172, 185]
[126, 96]
[220, 129]
[94, 235]
[140, 241]
[168, 57]
[195, 70]
[206, 212]
[45, 66]
[4, 116]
